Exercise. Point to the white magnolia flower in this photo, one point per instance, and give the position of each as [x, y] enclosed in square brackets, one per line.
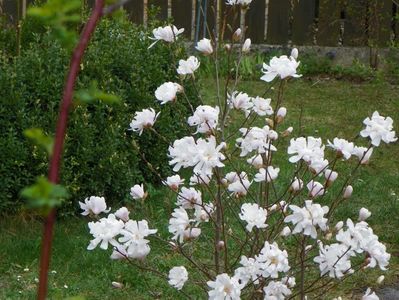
[378, 254]
[269, 174]
[203, 155]
[122, 214]
[308, 149]
[364, 214]
[134, 234]
[342, 146]
[205, 46]
[334, 259]
[178, 277]
[104, 232]
[137, 192]
[273, 260]
[256, 139]
[239, 187]
[356, 236]
[189, 198]
[174, 182]
[246, 46]
[119, 253]
[232, 177]
[262, 106]
[143, 119]
[168, 34]
[240, 101]
[167, 91]
[94, 205]
[307, 218]
[276, 290]
[315, 189]
[238, 2]
[205, 118]
[256, 161]
[369, 295]
[318, 165]
[250, 270]
[189, 66]
[363, 154]
[379, 128]
[224, 287]
[179, 223]
[282, 67]
[254, 215]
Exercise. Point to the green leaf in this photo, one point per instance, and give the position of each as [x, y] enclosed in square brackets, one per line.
[39, 138]
[92, 94]
[44, 194]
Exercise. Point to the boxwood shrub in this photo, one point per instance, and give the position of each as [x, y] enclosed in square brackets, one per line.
[99, 156]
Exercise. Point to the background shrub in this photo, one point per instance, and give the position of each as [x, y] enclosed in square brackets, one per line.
[99, 156]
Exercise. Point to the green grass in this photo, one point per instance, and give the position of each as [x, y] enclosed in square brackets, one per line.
[330, 108]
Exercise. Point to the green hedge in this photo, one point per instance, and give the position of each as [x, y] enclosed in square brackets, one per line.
[99, 158]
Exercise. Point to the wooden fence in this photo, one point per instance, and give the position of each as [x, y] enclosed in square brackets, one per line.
[283, 22]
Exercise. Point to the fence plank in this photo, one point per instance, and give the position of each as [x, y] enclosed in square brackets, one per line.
[355, 23]
[135, 9]
[278, 18]
[10, 9]
[255, 21]
[396, 24]
[380, 22]
[181, 13]
[162, 5]
[328, 23]
[302, 25]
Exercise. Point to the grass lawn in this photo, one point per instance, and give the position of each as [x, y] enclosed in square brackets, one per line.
[330, 109]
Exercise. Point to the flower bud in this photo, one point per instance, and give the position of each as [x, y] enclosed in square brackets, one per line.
[287, 132]
[294, 53]
[339, 226]
[273, 135]
[286, 231]
[237, 35]
[117, 285]
[380, 279]
[364, 214]
[227, 47]
[330, 176]
[220, 245]
[273, 207]
[246, 46]
[269, 122]
[308, 247]
[256, 161]
[281, 113]
[192, 233]
[348, 192]
[296, 185]
[328, 236]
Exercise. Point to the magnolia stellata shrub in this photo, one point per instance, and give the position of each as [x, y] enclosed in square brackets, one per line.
[264, 234]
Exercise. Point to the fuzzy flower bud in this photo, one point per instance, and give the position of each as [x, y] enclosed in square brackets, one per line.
[348, 192]
[237, 35]
[364, 214]
[281, 113]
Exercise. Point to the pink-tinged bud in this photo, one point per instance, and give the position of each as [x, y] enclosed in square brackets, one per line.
[192, 233]
[281, 113]
[380, 279]
[117, 285]
[348, 192]
[246, 46]
[339, 226]
[286, 231]
[237, 35]
[220, 245]
[294, 53]
[296, 185]
[364, 214]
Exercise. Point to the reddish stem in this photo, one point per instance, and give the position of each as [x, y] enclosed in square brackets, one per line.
[53, 173]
